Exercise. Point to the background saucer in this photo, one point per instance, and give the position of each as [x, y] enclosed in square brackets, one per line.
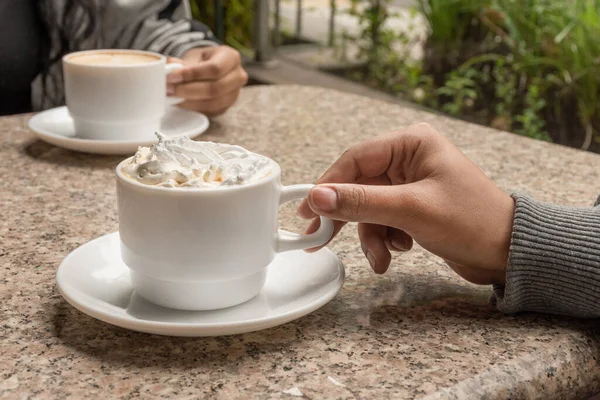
[55, 126]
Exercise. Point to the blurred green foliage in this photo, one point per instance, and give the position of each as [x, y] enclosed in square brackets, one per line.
[237, 20]
[529, 66]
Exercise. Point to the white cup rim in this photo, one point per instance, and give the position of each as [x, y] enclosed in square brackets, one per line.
[274, 174]
[160, 58]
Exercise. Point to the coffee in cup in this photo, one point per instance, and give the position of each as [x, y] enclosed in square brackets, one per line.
[198, 222]
[113, 58]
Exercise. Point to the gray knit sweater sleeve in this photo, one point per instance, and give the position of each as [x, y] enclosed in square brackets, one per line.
[163, 26]
[554, 261]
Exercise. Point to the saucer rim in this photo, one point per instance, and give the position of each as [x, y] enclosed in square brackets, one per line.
[42, 133]
[192, 329]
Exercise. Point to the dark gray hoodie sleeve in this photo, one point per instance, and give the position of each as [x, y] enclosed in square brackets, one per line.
[554, 261]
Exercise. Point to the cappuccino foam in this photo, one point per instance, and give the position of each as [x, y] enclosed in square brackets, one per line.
[182, 162]
[116, 58]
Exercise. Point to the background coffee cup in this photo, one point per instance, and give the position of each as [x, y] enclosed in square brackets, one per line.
[112, 101]
[206, 248]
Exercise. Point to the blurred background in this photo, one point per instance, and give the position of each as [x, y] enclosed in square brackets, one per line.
[527, 66]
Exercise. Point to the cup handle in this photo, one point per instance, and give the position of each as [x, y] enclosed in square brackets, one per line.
[287, 241]
[169, 68]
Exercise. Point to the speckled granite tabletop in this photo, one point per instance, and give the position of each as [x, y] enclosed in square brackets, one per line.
[416, 332]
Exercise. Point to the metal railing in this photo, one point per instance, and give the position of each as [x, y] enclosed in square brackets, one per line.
[267, 38]
[262, 45]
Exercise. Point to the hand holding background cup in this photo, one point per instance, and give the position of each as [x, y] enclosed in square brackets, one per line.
[210, 82]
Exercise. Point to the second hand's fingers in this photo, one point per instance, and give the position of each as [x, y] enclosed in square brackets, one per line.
[207, 90]
[222, 60]
[398, 240]
[373, 241]
[174, 60]
[211, 108]
[315, 224]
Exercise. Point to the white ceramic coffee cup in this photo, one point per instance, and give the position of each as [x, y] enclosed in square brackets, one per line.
[206, 248]
[116, 102]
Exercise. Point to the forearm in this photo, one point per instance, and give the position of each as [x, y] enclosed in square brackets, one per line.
[554, 261]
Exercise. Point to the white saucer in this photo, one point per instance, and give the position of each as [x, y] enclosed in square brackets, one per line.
[95, 281]
[55, 126]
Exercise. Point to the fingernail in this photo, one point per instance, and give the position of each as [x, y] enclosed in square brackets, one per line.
[324, 199]
[371, 259]
[170, 89]
[399, 245]
[174, 78]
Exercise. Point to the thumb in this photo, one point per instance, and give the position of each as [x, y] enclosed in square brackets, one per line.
[374, 204]
[175, 76]
[171, 60]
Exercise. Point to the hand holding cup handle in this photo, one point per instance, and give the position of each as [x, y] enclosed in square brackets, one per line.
[287, 241]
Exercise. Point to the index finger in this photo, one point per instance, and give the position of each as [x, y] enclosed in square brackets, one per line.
[364, 162]
[386, 157]
[220, 63]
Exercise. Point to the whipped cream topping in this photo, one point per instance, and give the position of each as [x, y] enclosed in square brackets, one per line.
[182, 162]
